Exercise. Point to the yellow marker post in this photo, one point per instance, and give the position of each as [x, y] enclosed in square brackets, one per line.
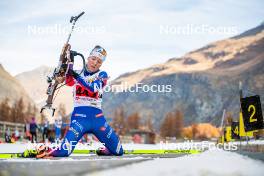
[242, 131]
[222, 139]
[228, 134]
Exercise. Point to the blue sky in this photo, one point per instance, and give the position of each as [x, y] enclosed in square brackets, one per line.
[133, 32]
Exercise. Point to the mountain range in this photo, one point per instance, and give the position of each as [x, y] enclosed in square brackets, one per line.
[203, 82]
[11, 88]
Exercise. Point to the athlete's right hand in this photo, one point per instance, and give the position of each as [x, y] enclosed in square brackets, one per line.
[70, 71]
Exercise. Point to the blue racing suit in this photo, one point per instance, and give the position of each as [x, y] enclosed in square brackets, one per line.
[87, 116]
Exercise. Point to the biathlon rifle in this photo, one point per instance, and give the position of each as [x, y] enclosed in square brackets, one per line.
[61, 69]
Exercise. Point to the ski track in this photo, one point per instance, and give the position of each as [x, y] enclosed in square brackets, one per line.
[214, 162]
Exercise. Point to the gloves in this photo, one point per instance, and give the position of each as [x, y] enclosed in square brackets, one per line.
[70, 66]
[64, 66]
[70, 71]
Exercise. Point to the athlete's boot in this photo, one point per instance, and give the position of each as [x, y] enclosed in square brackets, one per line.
[43, 151]
[103, 151]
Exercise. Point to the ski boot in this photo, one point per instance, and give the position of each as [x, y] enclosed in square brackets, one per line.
[43, 151]
[103, 151]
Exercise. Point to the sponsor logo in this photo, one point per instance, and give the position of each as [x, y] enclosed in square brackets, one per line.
[118, 147]
[102, 129]
[99, 115]
[81, 91]
[90, 80]
[78, 124]
[76, 133]
[79, 115]
[109, 133]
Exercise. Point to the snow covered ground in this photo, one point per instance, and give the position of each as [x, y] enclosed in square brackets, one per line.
[212, 162]
[252, 142]
[20, 147]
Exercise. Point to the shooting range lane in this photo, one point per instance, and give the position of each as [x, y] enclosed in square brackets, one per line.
[73, 165]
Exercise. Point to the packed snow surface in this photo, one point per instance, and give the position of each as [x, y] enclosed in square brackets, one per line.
[212, 162]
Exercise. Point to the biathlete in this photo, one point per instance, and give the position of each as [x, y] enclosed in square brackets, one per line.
[87, 115]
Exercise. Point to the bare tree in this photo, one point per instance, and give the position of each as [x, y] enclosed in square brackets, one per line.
[172, 125]
[18, 111]
[178, 123]
[118, 122]
[229, 119]
[149, 124]
[5, 110]
[166, 126]
[133, 121]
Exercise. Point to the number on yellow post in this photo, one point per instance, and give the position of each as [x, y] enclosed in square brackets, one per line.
[252, 113]
[252, 119]
[236, 130]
